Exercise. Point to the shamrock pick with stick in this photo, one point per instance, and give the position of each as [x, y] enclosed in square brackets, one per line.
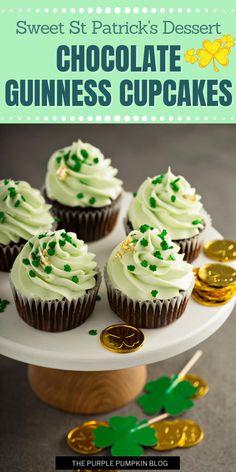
[172, 395]
[126, 435]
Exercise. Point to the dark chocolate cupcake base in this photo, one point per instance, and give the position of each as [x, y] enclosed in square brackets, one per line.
[147, 314]
[190, 247]
[55, 315]
[8, 254]
[90, 224]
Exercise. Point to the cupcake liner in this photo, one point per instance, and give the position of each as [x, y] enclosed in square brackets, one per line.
[8, 254]
[56, 315]
[190, 247]
[90, 224]
[147, 314]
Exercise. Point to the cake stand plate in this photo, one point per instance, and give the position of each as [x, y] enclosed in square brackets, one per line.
[73, 371]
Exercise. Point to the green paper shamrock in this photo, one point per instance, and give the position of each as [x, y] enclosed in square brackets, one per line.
[124, 436]
[167, 394]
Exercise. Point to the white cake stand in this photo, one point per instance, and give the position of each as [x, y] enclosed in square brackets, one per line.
[74, 372]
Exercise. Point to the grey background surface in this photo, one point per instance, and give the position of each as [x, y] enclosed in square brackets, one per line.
[33, 433]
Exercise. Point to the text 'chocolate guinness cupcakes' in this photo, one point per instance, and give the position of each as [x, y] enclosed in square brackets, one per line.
[55, 281]
[169, 202]
[84, 191]
[23, 214]
[148, 282]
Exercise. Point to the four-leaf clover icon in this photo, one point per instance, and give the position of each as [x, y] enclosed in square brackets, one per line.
[126, 435]
[167, 394]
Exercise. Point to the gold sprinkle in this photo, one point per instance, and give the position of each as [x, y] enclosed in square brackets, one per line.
[62, 172]
[44, 257]
[126, 246]
[192, 198]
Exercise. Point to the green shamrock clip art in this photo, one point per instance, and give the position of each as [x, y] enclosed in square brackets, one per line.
[169, 394]
[125, 435]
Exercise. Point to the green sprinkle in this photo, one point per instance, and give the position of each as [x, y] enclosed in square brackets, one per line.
[52, 244]
[58, 159]
[12, 192]
[174, 185]
[158, 180]
[74, 157]
[134, 241]
[66, 156]
[6, 181]
[144, 242]
[154, 293]
[92, 200]
[31, 244]
[42, 235]
[62, 242]
[26, 261]
[3, 305]
[17, 204]
[96, 160]
[64, 235]
[23, 198]
[131, 268]
[75, 279]
[162, 234]
[173, 198]
[67, 268]
[197, 222]
[98, 298]
[158, 255]
[48, 269]
[51, 252]
[4, 199]
[164, 245]
[84, 153]
[36, 262]
[2, 217]
[93, 332]
[32, 273]
[80, 195]
[83, 182]
[153, 267]
[144, 263]
[44, 245]
[76, 167]
[134, 194]
[144, 228]
[172, 257]
[153, 202]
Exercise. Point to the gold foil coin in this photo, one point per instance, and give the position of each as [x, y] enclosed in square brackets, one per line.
[205, 301]
[222, 250]
[217, 275]
[81, 439]
[169, 435]
[199, 383]
[122, 338]
[193, 434]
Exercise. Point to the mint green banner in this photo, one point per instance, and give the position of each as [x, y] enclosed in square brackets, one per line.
[97, 61]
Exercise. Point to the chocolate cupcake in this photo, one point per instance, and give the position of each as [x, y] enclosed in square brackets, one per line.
[55, 281]
[23, 213]
[148, 282]
[168, 202]
[82, 187]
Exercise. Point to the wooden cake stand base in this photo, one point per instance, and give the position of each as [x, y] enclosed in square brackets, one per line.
[86, 392]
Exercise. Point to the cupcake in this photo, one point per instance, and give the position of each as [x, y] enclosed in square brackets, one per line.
[148, 282]
[55, 281]
[169, 202]
[23, 214]
[82, 187]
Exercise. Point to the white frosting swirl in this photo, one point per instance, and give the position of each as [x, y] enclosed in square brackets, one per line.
[80, 176]
[23, 212]
[53, 266]
[147, 266]
[169, 202]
